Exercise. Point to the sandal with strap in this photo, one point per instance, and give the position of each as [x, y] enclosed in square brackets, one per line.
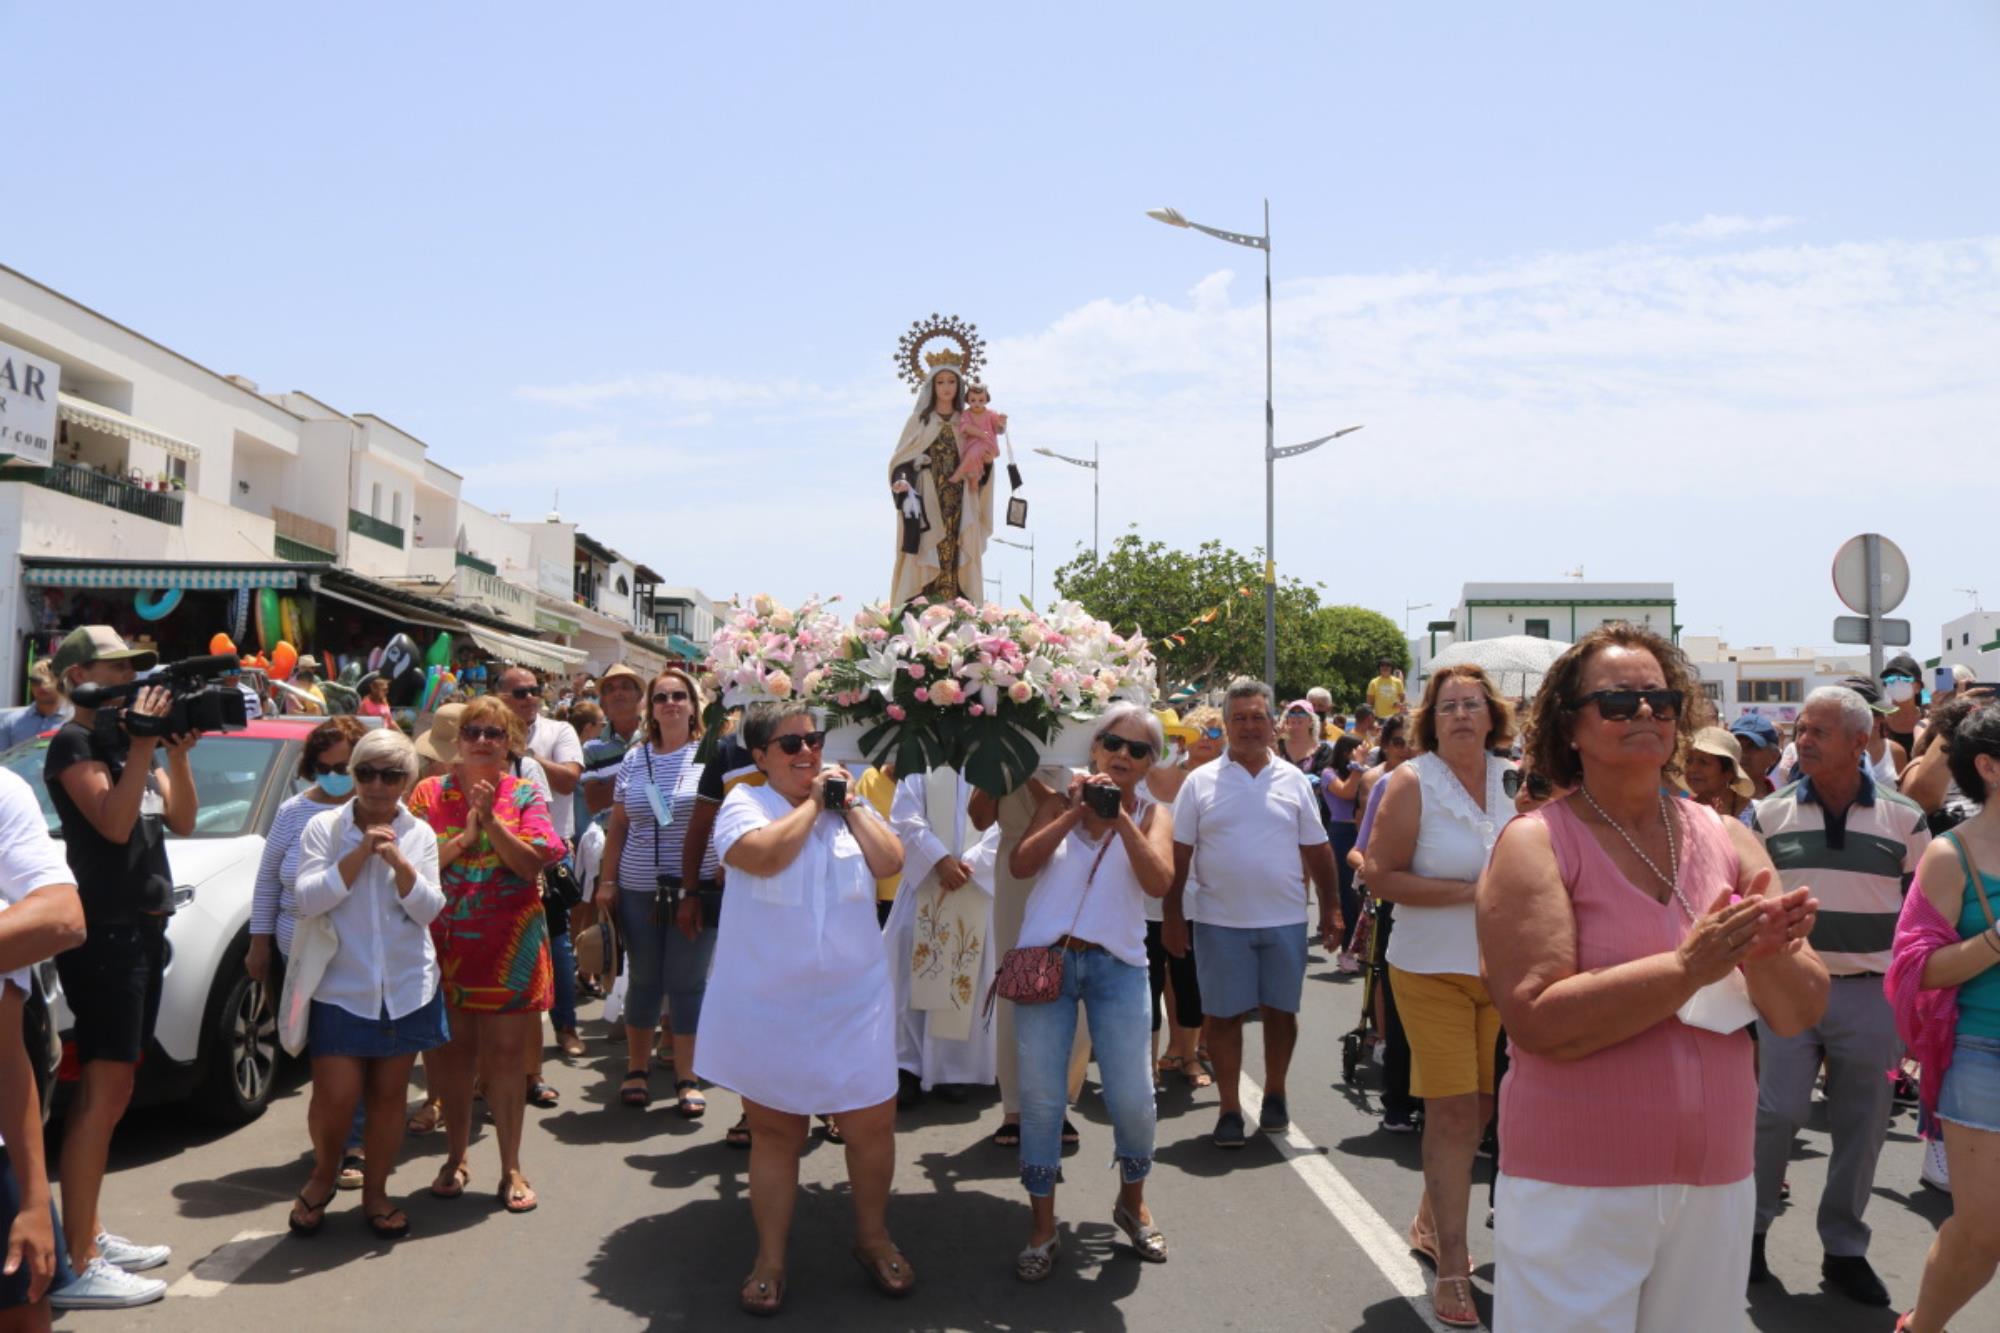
[1424, 1243]
[459, 1176]
[1172, 1064]
[426, 1118]
[353, 1171]
[1464, 1314]
[315, 1212]
[541, 1095]
[738, 1135]
[518, 1197]
[385, 1229]
[887, 1269]
[762, 1296]
[1008, 1135]
[692, 1104]
[636, 1089]
[1197, 1077]
[833, 1134]
[1035, 1263]
[1147, 1239]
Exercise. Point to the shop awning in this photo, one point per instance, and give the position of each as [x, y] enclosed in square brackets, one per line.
[525, 652]
[388, 609]
[194, 577]
[113, 422]
[685, 647]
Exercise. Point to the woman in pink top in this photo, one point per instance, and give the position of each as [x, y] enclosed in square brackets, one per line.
[1628, 939]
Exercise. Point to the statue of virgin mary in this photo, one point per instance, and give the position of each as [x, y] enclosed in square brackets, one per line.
[941, 531]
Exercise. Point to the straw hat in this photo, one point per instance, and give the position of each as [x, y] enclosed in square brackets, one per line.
[439, 744]
[1174, 728]
[1724, 745]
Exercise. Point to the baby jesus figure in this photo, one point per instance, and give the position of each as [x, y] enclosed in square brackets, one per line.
[978, 438]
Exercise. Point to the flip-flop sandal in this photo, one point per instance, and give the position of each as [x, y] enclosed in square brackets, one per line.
[1197, 1077]
[887, 1269]
[384, 1229]
[738, 1135]
[634, 1090]
[351, 1172]
[427, 1118]
[519, 1198]
[1466, 1315]
[833, 1134]
[692, 1104]
[762, 1296]
[1172, 1064]
[460, 1176]
[316, 1211]
[541, 1095]
[1008, 1135]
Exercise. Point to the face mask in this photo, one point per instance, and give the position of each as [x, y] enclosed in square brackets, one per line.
[337, 784]
[1901, 691]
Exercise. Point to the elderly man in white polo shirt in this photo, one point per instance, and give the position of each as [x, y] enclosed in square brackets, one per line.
[1248, 827]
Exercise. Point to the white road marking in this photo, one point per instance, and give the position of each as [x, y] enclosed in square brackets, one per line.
[212, 1274]
[1386, 1248]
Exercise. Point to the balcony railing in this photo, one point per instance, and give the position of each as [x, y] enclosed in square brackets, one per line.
[308, 533]
[471, 561]
[112, 492]
[367, 525]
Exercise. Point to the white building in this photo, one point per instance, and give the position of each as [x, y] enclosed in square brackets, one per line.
[1972, 640]
[1563, 611]
[1763, 681]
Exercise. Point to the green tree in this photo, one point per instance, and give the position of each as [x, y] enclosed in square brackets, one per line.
[1203, 610]
[1350, 640]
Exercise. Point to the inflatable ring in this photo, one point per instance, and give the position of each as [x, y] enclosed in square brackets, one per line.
[156, 603]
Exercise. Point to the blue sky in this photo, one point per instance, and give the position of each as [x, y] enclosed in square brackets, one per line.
[1687, 293]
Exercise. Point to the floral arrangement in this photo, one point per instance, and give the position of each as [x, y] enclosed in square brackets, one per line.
[953, 684]
[764, 651]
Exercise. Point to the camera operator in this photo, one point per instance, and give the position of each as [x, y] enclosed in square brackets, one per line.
[113, 803]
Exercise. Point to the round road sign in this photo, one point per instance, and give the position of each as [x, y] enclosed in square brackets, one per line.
[1850, 575]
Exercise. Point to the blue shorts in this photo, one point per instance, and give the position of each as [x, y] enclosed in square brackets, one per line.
[331, 1030]
[1242, 968]
[1971, 1092]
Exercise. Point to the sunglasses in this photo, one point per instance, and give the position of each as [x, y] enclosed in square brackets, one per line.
[367, 773]
[1539, 787]
[1623, 705]
[1212, 733]
[1140, 751]
[799, 740]
[524, 692]
[476, 734]
[333, 768]
[671, 697]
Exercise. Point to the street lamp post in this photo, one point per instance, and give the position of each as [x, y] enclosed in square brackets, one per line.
[1174, 218]
[1413, 606]
[1091, 463]
[1029, 547]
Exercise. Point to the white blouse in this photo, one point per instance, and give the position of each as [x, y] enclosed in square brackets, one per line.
[386, 959]
[1454, 839]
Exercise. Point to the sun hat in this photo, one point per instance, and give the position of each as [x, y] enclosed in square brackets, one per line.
[439, 743]
[1174, 729]
[1716, 741]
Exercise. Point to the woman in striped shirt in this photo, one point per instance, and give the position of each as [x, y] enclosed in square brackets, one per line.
[669, 926]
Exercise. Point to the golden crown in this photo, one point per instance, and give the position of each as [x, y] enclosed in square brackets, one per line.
[917, 360]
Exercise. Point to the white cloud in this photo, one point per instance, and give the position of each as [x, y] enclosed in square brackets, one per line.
[1651, 411]
[1718, 226]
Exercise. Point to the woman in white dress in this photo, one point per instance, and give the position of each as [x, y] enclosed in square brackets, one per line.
[799, 1019]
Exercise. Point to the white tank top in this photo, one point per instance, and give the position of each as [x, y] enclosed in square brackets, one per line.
[1114, 908]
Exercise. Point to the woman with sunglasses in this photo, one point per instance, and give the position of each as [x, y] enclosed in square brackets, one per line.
[370, 867]
[668, 926]
[494, 838]
[1095, 871]
[1175, 978]
[274, 903]
[1629, 939]
[799, 1019]
[1428, 846]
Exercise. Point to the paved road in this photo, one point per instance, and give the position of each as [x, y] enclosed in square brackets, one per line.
[644, 1223]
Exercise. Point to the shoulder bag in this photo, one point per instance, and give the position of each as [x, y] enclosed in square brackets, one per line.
[1034, 975]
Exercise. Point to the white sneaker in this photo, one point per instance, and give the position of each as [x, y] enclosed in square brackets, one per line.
[105, 1286]
[130, 1256]
[1936, 1172]
[1346, 963]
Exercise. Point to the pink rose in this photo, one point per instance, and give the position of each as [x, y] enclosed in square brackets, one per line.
[923, 695]
[916, 670]
[977, 710]
[1020, 691]
[896, 713]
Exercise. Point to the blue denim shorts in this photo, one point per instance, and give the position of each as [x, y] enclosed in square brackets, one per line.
[331, 1030]
[1241, 968]
[1971, 1092]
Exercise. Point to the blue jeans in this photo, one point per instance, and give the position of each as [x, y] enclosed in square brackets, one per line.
[562, 955]
[1343, 835]
[1119, 1005]
[664, 967]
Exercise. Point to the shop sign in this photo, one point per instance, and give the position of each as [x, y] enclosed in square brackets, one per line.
[550, 623]
[27, 406]
[558, 580]
[504, 599]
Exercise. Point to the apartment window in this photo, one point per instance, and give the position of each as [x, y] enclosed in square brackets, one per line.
[1536, 629]
[1712, 691]
[1770, 691]
[624, 588]
[1965, 639]
[375, 500]
[673, 620]
[177, 470]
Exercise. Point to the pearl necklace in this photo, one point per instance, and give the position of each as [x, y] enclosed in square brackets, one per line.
[1673, 858]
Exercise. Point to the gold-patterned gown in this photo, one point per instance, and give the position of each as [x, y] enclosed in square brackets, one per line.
[943, 456]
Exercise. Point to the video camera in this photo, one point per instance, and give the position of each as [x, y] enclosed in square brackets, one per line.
[200, 704]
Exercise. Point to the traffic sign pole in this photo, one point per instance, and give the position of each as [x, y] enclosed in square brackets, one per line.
[1872, 544]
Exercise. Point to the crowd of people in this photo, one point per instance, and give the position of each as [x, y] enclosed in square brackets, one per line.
[1618, 943]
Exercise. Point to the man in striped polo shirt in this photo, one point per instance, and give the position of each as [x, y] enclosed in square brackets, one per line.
[1857, 844]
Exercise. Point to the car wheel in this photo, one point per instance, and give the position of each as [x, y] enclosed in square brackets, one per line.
[240, 1056]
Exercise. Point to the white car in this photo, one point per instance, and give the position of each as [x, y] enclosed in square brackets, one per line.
[216, 1041]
